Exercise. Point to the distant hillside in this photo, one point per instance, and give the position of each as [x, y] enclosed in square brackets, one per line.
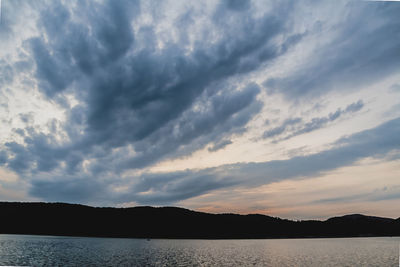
[170, 222]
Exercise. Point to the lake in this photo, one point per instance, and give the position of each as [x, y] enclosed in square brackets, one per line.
[81, 251]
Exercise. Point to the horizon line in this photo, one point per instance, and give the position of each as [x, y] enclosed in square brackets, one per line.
[178, 207]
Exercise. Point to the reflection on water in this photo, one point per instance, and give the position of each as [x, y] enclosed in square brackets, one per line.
[80, 251]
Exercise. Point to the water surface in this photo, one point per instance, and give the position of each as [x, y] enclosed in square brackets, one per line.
[82, 251]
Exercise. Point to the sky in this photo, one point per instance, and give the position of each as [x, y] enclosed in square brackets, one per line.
[284, 108]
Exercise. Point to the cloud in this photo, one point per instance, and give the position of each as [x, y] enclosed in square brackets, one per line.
[375, 195]
[282, 128]
[75, 190]
[162, 188]
[27, 118]
[295, 128]
[3, 157]
[354, 107]
[363, 48]
[134, 88]
[225, 115]
[220, 145]
[6, 73]
[395, 88]
[141, 98]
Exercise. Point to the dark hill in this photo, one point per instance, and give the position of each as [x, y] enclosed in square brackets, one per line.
[171, 222]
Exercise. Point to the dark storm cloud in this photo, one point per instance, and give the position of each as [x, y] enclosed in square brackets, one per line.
[148, 189]
[20, 161]
[145, 95]
[224, 115]
[293, 127]
[174, 187]
[140, 103]
[73, 190]
[161, 188]
[365, 49]
[39, 154]
[100, 37]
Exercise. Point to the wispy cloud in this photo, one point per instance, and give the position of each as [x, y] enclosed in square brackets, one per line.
[293, 126]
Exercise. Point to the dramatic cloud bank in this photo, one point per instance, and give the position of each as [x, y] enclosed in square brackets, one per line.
[144, 102]
[168, 188]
